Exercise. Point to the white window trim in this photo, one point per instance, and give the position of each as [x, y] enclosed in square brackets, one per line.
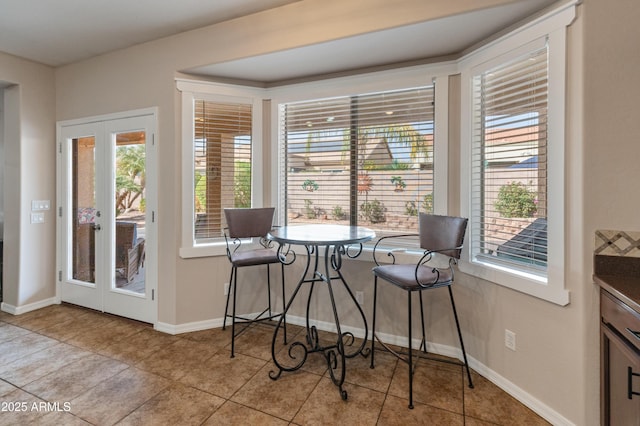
[397, 79]
[549, 28]
[190, 91]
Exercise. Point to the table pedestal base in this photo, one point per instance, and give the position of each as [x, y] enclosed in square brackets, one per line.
[294, 355]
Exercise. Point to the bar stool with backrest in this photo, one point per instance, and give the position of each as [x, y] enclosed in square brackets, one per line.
[438, 236]
[247, 246]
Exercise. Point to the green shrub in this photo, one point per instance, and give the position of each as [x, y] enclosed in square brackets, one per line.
[338, 213]
[309, 211]
[515, 200]
[410, 208]
[427, 203]
[242, 184]
[373, 211]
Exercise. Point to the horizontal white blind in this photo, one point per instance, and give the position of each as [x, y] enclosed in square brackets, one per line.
[222, 154]
[362, 160]
[509, 176]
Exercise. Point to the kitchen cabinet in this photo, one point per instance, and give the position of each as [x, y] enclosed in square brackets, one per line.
[620, 358]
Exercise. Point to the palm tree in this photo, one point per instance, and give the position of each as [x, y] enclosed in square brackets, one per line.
[398, 134]
[130, 175]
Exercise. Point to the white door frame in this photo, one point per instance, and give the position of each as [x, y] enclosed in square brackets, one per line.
[151, 195]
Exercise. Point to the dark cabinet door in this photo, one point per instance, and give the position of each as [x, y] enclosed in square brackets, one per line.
[621, 381]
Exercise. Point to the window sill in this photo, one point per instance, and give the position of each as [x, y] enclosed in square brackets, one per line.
[204, 250]
[523, 282]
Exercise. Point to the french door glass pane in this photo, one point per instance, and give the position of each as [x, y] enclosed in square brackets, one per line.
[130, 211]
[84, 207]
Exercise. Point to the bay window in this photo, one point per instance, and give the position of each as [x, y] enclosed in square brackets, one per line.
[513, 184]
[220, 161]
[363, 159]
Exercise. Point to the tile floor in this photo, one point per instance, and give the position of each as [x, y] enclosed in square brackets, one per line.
[93, 368]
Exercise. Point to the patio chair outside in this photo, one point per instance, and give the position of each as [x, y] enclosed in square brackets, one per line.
[129, 250]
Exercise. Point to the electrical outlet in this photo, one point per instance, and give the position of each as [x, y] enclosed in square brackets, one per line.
[360, 297]
[510, 339]
[226, 289]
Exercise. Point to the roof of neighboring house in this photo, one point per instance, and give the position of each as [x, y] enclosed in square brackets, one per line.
[332, 154]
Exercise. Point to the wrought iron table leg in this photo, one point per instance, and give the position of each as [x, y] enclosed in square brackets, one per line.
[334, 354]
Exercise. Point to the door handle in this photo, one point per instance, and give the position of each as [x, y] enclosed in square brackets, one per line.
[96, 227]
[631, 375]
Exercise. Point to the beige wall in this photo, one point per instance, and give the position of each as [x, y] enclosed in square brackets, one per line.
[143, 76]
[29, 174]
[557, 358]
[610, 148]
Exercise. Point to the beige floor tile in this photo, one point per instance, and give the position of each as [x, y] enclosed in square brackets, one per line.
[222, 375]
[396, 413]
[10, 331]
[434, 383]
[118, 396]
[63, 331]
[232, 414]
[140, 345]
[78, 377]
[359, 371]
[470, 421]
[61, 418]
[108, 334]
[21, 409]
[29, 316]
[38, 364]
[326, 406]
[176, 405]
[255, 341]
[6, 388]
[81, 321]
[49, 315]
[216, 337]
[6, 317]
[21, 346]
[178, 358]
[153, 378]
[488, 402]
[280, 398]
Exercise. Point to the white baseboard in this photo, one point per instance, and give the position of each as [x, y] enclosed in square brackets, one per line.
[188, 327]
[18, 310]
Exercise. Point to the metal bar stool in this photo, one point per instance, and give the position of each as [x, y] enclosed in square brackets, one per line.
[244, 227]
[438, 234]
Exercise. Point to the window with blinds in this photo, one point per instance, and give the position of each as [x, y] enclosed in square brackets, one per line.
[509, 163]
[222, 163]
[361, 160]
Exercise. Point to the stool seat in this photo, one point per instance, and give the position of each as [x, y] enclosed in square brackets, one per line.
[254, 257]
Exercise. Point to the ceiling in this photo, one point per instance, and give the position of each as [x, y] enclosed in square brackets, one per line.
[65, 31]
[60, 32]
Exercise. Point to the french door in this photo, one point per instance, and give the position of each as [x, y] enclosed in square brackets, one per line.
[106, 218]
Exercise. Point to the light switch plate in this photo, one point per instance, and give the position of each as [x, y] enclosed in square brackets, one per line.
[37, 217]
[39, 205]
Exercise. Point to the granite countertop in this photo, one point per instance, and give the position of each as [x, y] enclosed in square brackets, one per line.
[620, 276]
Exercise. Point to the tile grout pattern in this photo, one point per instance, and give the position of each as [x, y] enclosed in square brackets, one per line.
[69, 365]
[617, 243]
